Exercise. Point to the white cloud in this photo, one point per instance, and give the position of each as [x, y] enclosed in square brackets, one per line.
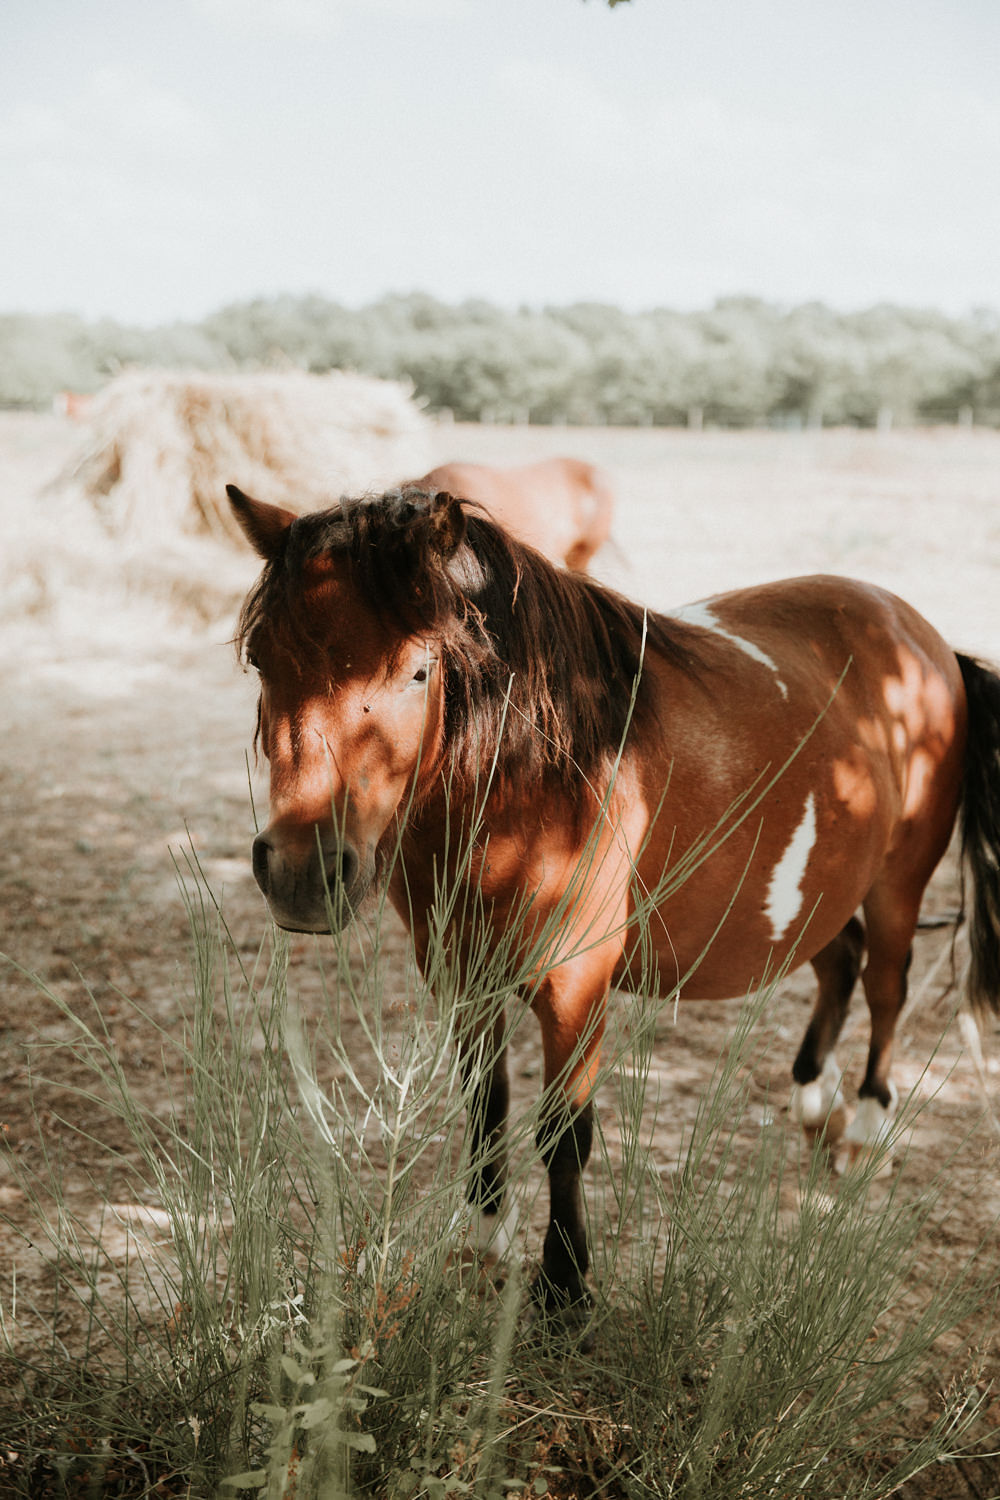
[351, 146]
[117, 117]
[315, 18]
[696, 193]
[302, 18]
[109, 195]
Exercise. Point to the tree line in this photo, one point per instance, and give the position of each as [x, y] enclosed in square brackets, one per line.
[741, 362]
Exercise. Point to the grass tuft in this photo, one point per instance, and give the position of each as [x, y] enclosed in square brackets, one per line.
[295, 1315]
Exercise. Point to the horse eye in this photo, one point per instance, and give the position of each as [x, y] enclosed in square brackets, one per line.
[421, 674]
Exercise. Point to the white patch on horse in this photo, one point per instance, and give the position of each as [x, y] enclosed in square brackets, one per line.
[872, 1123]
[784, 894]
[703, 615]
[491, 1235]
[821, 1103]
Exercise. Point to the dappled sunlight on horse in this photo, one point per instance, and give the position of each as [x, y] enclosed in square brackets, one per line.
[677, 804]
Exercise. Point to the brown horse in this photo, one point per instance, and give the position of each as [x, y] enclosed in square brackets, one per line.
[686, 802]
[562, 506]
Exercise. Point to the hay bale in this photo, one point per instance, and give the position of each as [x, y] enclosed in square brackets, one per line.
[139, 518]
[162, 446]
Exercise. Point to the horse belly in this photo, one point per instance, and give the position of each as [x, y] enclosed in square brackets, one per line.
[715, 954]
[764, 899]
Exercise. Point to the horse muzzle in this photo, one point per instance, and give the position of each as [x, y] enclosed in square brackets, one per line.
[311, 887]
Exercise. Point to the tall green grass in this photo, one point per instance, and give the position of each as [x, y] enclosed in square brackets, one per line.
[307, 1327]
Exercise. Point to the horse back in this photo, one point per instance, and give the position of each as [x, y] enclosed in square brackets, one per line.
[562, 506]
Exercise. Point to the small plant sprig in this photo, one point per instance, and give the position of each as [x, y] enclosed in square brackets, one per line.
[316, 1428]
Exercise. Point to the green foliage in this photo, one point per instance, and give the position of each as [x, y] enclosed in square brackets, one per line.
[739, 363]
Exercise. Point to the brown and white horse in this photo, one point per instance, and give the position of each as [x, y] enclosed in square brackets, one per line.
[722, 792]
[562, 506]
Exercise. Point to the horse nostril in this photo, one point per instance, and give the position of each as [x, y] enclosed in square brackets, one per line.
[343, 868]
[260, 852]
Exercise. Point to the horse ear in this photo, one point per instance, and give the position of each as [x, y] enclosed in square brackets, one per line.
[447, 524]
[263, 525]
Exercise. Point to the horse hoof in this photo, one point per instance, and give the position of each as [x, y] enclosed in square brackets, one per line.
[869, 1135]
[860, 1154]
[830, 1131]
[819, 1107]
[563, 1314]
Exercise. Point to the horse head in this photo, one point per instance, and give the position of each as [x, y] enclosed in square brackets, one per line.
[346, 629]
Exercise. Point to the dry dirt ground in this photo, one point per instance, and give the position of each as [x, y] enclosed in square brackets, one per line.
[124, 731]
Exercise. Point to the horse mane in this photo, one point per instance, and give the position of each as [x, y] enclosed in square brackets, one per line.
[542, 667]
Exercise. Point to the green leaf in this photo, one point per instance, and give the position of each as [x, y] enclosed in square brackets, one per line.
[272, 1413]
[315, 1413]
[362, 1441]
[252, 1480]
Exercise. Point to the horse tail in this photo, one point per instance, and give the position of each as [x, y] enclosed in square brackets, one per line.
[980, 829]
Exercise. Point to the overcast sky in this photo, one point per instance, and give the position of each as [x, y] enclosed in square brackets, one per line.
[159, 158]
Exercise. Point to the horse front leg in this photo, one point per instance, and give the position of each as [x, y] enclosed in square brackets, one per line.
[482, 1056]
[484, 1074]
[564, 1140]
[572, 1028]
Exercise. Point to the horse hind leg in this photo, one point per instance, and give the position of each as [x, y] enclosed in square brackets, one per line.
[891, 924]
[817, 1101]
